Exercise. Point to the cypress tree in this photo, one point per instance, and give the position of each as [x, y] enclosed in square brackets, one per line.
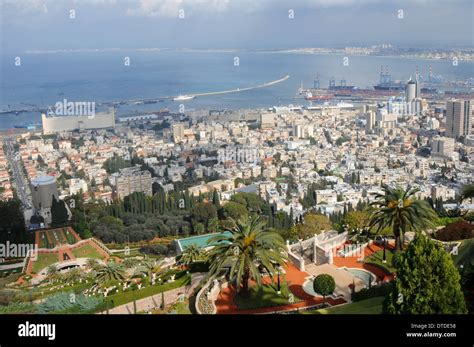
[427, 281]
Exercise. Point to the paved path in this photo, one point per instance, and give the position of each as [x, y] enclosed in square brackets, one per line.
[225, 301]
[342, 277]
[154, 301]
[353, 262]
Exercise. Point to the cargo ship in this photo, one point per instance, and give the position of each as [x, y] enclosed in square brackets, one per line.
[396, 86]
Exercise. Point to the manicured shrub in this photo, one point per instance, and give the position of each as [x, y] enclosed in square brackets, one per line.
[324, 284]
[456, 231]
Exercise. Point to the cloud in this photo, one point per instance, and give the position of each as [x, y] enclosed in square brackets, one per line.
[167, 8]
[171, 8]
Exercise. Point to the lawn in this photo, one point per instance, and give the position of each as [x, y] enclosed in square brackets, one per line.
[126, 297]
[87, 251]
[44, 260]
[368, 306]
[266, 296]
[376, 259]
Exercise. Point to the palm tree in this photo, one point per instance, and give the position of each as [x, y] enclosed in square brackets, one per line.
[110, 272]
[51, 270]
[92, 264]
[191, 254]
[73, 275]
[399, 210]
[130, 262]
[52, 273]
[245, 250]
[148, 267]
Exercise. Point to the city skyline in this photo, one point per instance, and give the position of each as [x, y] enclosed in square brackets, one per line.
[226, 157]
[46, 25]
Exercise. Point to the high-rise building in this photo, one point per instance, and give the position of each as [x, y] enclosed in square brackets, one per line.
[178, 132]
[43, 188]
[442, 146]
[370, 120]
[298, 131]
[131, 180]
[411, 91]
[459, 118]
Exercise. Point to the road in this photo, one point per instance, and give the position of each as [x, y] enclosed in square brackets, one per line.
[19, 180]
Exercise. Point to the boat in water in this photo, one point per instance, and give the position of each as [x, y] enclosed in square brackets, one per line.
[183, 97]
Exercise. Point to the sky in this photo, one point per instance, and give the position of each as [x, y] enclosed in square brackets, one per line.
[28, 25]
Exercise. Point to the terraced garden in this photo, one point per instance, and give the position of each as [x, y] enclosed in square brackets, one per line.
[87, 251]
[54, 237]
[44, 260]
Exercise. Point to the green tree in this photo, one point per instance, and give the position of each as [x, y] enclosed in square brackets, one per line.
[110, 272]
[191, 254]
[234, 210]
[12, 225]
[427, 281]
[467, 192]
[313, 224]
[203, 212]
[51, 270]
[216, 201]
[357, 220]
[199, 228]
[93, 264]
[149, 268]
[401, 211]
[324, 284]
[59, 215]
[245, 250]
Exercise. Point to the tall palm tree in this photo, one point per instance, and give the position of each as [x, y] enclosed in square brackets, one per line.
[191, 254]
[399, 210]
[245, 250]
[110, 272]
